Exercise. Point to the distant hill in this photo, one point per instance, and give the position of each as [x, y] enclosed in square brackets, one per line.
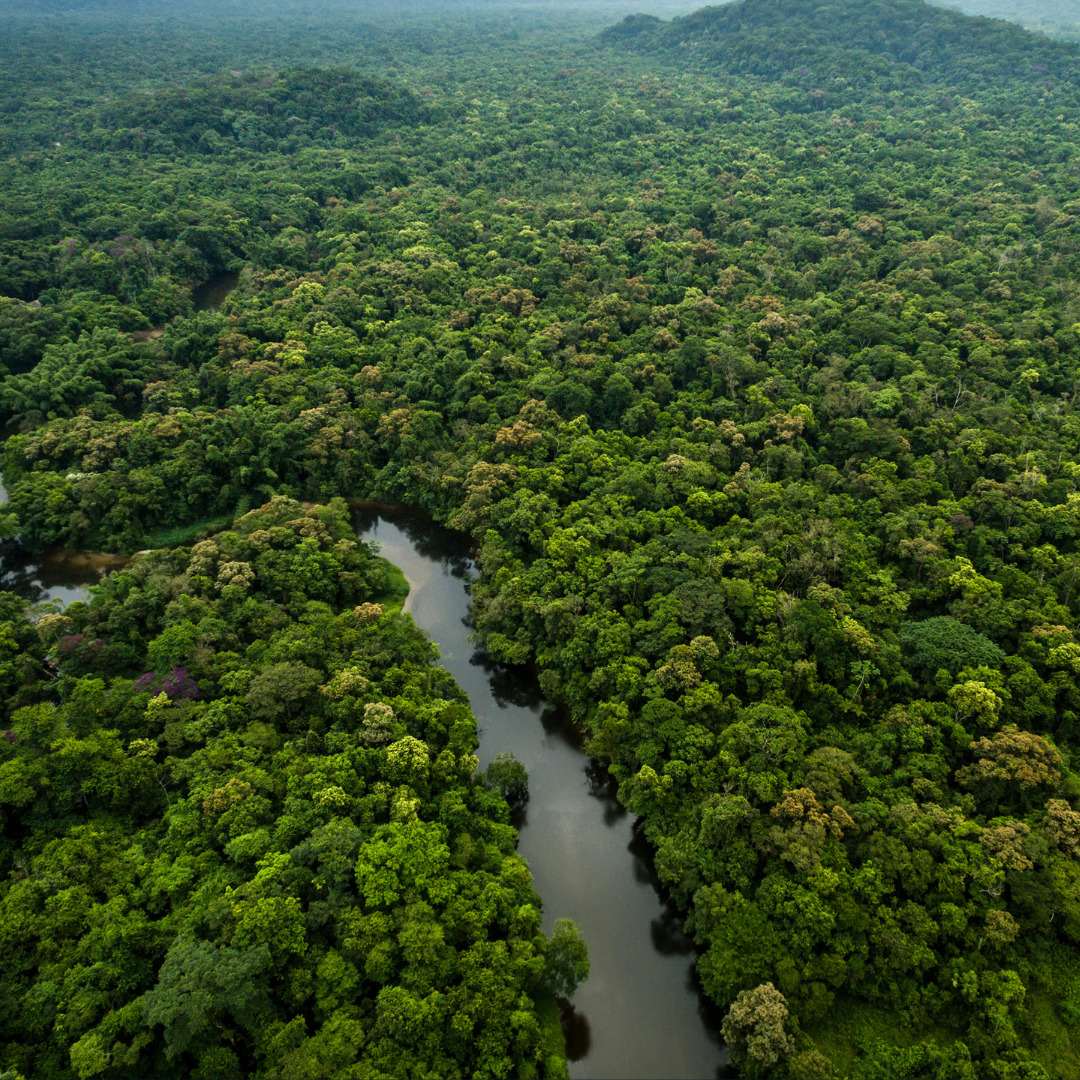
[880, 43]
[277, 111]
[1058, 18]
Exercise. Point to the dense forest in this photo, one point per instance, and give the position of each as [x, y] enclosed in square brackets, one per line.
[745, 345]
[266, 853]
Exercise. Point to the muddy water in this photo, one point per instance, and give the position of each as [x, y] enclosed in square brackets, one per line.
[37, 583]
[64, 576]
[640, 1013]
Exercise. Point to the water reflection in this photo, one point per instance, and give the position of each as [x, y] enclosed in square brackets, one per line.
[510, 686]
[59, 576]
[641, 1013]
[643, 855]
[557, 723]
[602, 786]
[576, 1031]
[446, 548]
[667, 934]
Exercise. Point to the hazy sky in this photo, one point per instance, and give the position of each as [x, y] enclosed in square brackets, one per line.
[1060, 16]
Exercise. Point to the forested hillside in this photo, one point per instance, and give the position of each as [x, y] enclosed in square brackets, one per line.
[866, 51]
[746, 346]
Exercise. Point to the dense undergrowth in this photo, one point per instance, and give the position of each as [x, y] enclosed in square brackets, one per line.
[746, 346]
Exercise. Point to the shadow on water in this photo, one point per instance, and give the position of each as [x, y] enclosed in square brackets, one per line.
[576, 1031]
[641, 1013]
[434, 543]
[510, 686]
[57, 575]
[209, 295]
[668, 936]
[644, 857]
[602, 786]
[557, 724]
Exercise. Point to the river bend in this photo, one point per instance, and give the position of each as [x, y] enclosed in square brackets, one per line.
[640, 1014]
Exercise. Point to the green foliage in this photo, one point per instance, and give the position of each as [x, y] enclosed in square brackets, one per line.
[942, 643]
[745, 346]
[291, 110]
[567, 959]
[208, 867]
[508, 777]
[1055, 18]
[755, 1031]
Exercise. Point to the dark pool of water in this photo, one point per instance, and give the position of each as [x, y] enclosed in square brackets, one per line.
[60, 576]
[640, 1014]
[210, 295]
[38, 582]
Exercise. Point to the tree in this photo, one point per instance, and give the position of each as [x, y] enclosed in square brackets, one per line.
[755, 1030]
[508, 777]
[942, 642]
[202, 989]
[1012, 757]
[566, 960]
[278, 689]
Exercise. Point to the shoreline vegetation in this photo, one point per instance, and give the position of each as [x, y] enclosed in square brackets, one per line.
[298, 780]
[745, 345]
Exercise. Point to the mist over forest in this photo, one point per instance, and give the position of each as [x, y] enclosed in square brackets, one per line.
[1054, 17]
[1057, 18]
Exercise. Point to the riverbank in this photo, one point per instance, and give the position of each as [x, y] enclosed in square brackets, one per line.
[640, 1014]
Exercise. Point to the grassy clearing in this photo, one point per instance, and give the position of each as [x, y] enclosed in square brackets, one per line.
[175, 535]
[396, 593]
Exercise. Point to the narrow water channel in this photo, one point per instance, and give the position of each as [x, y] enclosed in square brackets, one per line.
[640, 1013]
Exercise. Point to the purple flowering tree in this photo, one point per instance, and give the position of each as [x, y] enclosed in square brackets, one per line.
[178, 684]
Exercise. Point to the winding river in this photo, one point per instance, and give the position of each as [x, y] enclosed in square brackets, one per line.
[640, 1014]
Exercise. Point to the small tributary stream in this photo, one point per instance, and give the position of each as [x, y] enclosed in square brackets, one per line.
[63, 576]
[640, 1014]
